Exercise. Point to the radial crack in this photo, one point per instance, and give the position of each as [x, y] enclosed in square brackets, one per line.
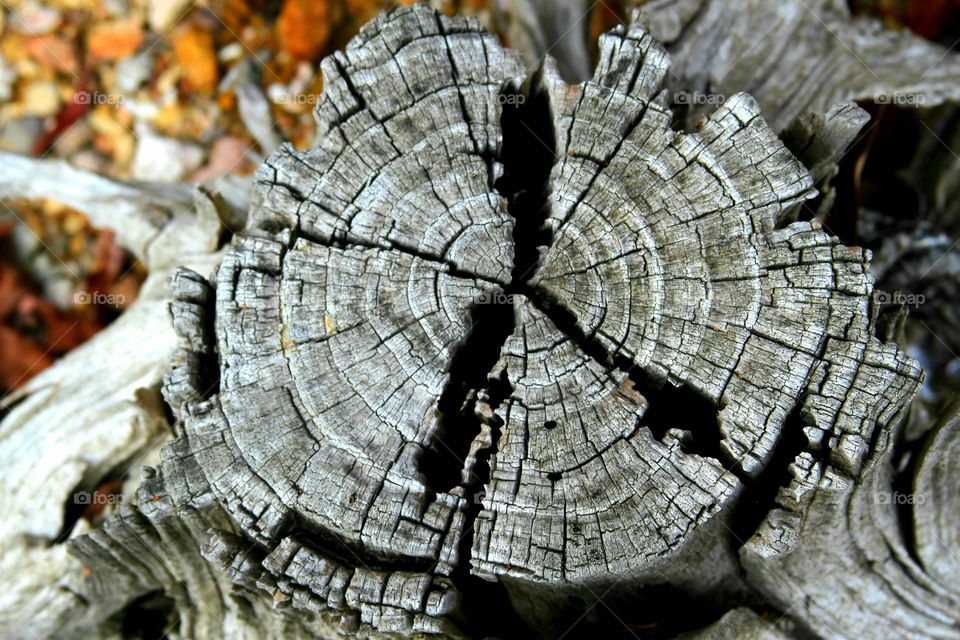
[527, 154]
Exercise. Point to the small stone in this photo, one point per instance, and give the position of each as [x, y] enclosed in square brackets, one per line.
[231, 52]
[7, 77]
[113, 133]
[41, 98]
[163, 14]
[89, 160]
[73, 140]
[133, 72]
[19, 136]
[115, 8]
[32, 18]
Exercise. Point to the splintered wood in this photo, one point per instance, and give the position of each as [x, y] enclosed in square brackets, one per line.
[496, 325]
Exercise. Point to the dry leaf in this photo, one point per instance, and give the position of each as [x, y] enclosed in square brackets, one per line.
[53, 52]
[194, 51]
[303, 28]
[115, 39]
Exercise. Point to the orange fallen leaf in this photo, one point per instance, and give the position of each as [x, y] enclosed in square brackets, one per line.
[194, 51]
[115, 40]
[303, 28]
[52, 51]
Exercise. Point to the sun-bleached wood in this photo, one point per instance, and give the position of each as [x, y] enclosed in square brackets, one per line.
[497, 328]
[338, 317]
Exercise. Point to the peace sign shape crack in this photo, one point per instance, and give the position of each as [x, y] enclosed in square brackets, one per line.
[494, 325]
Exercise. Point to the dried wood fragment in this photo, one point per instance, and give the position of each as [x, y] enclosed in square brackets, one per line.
[797, 55]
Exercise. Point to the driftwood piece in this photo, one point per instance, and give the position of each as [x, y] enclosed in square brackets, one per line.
[796, 56]
[935, 515]
[820, 141]
[99, 411]
[557, 28]
[849, 573]
[161, 224]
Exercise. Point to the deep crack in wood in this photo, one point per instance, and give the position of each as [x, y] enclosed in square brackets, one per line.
[497, 325]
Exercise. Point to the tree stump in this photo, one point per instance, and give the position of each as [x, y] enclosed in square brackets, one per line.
[498, 335]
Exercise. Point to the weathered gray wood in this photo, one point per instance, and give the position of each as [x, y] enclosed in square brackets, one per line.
[797, 55]
[141, 214]
[936, 504]
[407, 238]
[739, 624]
[832, 551]
[497, 326]
[99, 410]
[820, 140]
[557, 28]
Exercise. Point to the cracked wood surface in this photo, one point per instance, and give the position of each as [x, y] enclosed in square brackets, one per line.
[798, 55]
[496, 327]
[399, 379]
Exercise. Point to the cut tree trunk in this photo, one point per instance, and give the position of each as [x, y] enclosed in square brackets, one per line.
[500, 348]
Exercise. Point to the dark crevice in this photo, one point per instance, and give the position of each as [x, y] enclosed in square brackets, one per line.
[907, 458]
[669, 406]
[759, 496]
[527, 155]
[681, 407]
[457, 423]
[168, 414]
[479, 597]
[529, 152]
[149, 617]
[91, 500]
[209, 363]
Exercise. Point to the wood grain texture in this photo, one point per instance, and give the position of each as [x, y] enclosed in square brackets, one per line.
[412, 235]
[496, 335]
[798, 55]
